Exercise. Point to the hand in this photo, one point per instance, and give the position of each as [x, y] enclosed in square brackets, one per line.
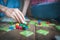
[16, 14]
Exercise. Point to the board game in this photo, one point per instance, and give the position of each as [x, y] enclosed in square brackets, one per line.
[31, 31]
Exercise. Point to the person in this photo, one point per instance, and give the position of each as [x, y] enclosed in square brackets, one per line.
[11, 10]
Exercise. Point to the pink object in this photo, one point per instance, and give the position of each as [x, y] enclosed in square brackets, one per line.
[20, 28]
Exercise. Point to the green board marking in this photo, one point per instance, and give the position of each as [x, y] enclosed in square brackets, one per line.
[5, 29]
[58, 27]
[43, 32]
[37, 25]
[43, 23]
[26, 33]
[32, 22]
[28, 25]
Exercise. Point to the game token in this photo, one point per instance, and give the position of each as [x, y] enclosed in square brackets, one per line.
[20, 28]
[20, 24]
[17, 24]
[17, 27]
[39, 22]
[11, 23]
[11, 27]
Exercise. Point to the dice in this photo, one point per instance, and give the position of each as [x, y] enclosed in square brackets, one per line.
[21, 26]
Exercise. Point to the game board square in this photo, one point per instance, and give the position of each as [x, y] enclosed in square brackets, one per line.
[58, 27]
[5, 29]
[32, 22]
[43, 32]
[42, 25]
[52, 24]
[26, 33]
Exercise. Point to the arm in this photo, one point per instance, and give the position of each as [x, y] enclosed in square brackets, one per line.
[25, 7]
[14, 13]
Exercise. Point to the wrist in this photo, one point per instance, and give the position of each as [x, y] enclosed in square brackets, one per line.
[3, 8]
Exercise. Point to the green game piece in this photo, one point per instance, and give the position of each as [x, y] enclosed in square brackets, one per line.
[24, 26]
[43, 32]
[1, 26]
[32, 22]
[20, 24]
[11, 23]
[58, 27]
[26, 33]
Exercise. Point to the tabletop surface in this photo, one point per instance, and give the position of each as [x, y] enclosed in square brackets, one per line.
[14, 34]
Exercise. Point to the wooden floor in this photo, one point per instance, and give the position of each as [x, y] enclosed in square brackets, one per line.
[14, 34]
